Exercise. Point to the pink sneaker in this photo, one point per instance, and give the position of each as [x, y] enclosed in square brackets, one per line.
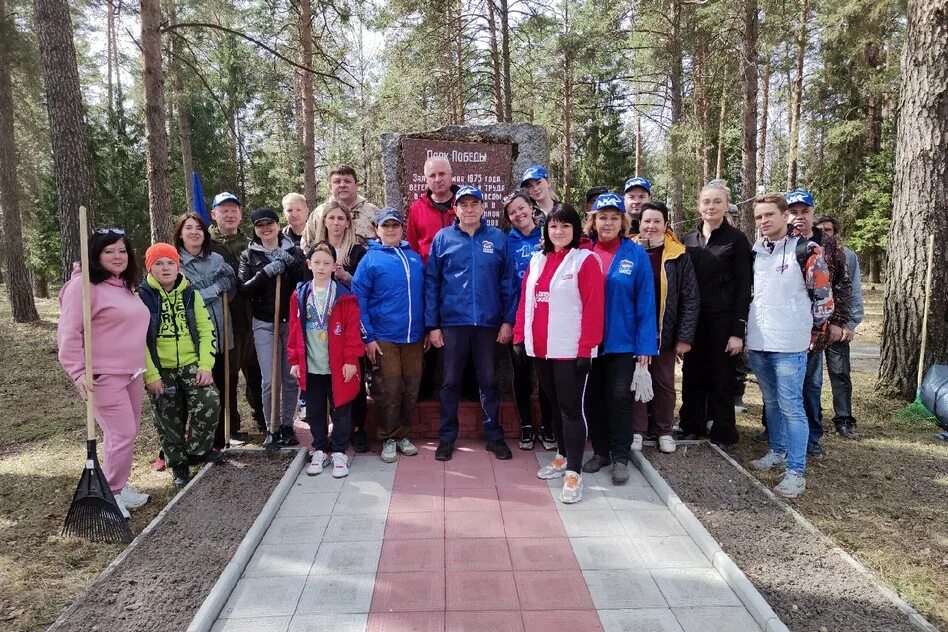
[158, 465]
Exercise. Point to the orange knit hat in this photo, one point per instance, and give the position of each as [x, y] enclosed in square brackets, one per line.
[159, 250]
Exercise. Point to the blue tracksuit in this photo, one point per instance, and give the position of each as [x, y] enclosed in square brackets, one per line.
[519, 250]
[390, 286]
[630, 303]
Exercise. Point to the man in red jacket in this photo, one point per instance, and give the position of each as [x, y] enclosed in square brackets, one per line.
[434, 210]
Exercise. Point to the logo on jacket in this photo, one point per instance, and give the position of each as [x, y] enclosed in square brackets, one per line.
[625, 267]
[488, 248]
[543, 297]
[338, 329]
[567, 277]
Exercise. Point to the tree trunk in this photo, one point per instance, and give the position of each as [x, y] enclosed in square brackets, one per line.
[919, 202]
[796, 99]
[181, 111]
[110, 51]
[495, 62]
[19, 291]
[749, 79]
[875, 266]
[307, 110]
[505, 52]
[638, 143]
[764, 110]
[67, 127]
[40, 285]
[459, 60]
[675, 80]
[719, 164]
[159, 167]
[567, 108]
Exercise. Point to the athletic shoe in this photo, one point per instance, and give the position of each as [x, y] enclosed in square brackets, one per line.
[620, 472]
[845, 430]
[122, 507]
[406, 447]
[637, 443]
[814, 451]
[159, 464]
[554, 469]
[317, 462]
[596, 463]
[791, 486]
[500, 449]
[340, 465]
[389, 451]
[181, 476]
[526, 438]
[444, 451]
[666, 444]
[547, 439]
[770, 461]
[288, 437]
[572, 488]
[360, 442]
[236, 442]
[132, 498]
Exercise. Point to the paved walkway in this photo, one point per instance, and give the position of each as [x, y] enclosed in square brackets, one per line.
[476, 544]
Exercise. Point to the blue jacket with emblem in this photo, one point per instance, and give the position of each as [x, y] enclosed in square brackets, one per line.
[467, 281]
[390, 286]
[630, 303]
[520, 249]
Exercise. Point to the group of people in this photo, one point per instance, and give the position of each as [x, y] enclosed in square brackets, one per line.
[598, 308]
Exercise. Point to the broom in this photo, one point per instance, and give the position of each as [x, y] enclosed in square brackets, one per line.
[272, 442]
[916, 411]
[93, 514]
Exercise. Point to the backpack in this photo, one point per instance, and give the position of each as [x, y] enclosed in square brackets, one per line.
[802, 252]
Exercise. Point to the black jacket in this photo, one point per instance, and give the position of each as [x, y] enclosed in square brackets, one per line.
[259, 288]
[724, 271]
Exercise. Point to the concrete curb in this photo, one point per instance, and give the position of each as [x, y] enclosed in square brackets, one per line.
[756, 605]
[917, 620]
[207, 614]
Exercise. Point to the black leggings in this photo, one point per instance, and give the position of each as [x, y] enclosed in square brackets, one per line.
[565, 384]
[523, 392]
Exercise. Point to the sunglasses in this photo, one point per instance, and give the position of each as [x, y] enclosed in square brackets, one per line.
[106, 231]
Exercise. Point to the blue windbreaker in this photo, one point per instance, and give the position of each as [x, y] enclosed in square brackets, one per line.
[519, 250]
[466, 279]
[630, 303]
[390, 286]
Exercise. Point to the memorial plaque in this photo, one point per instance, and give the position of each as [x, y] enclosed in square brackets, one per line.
[484, 165]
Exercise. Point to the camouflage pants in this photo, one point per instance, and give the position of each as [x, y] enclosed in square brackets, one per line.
[203, 408]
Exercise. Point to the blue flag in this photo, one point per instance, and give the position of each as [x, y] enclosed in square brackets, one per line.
[200, 205]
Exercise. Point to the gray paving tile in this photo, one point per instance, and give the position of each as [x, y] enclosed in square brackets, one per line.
[650, 524]
[295, 530]
[580, 524]
[603, 479]
[691, 587]
[634, 498]
[329, 623]
[593, 500]
[715, 620]
[298, 504]
[621, 589]
[347, 557]
[605, 553]
[382, 478]
[282, 595]
[670, 552]
[253, 624]
[321, 483]
[370, 499]
[343, 593]
[278, 560]
[639, 620]
[355, 528]
[369, 463]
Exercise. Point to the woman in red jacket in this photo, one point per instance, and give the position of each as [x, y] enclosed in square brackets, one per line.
[325, 344]
[559, 324]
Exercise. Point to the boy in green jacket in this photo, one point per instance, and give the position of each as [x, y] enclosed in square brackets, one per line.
[178, 363]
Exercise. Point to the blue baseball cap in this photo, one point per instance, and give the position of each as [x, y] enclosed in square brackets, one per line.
[222, 197]
[534, 172]
[466, 190]
[386, 214]
[608, 200]
[799, 196]
[638, 182]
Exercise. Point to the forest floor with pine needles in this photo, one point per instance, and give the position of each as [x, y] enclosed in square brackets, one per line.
[881, 498]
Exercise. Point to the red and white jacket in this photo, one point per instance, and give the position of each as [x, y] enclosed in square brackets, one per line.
[562, 304]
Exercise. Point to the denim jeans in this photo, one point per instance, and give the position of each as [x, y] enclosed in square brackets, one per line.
[460, 343]
[838, 366]
[812, 388]
[780, 377]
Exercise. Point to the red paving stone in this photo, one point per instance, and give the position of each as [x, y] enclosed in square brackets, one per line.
[408, 592]
[481, 620]
[412, 555]
[562, 621]
[481, 590]
[533, 524]
[422, 500]
[523, 498]
[413, 480]
[471, 499]
[406, 622]
[414, 526]
[473, 524]
[542, 554]
[487, 554]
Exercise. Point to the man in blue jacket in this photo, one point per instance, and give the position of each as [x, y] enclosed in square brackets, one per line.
[469, 305]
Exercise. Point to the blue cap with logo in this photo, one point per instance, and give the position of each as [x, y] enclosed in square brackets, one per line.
[638, 182]
[387, 214]
[534, 172]
[606, 201]
[468, 189]
[799, 196]
[224, 196]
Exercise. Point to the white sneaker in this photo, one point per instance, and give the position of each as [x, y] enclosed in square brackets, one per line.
[405, 447]
[121, 507]
[132, 498]
[317, 462]
[637, 442]
[572, 488]
[340, 465]
[555, 469]
[769, 461]
[389, 451]
[666, 444]
[791, 486]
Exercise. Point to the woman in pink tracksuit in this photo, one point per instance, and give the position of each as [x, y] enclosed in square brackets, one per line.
[119, 323]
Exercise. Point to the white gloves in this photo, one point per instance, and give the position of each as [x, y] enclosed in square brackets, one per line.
[642, 384]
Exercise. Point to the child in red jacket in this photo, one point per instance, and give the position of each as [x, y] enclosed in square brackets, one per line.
[325, 344]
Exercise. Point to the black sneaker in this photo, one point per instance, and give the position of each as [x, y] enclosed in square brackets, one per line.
[690, 437]
[596, 463]
[444, 451]
[288, 438]
[546, 438]
[181, 476]
[360, 442]
[814, 451]
[620, 472]
[500, 449]
[845, 430]
[526, 438]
